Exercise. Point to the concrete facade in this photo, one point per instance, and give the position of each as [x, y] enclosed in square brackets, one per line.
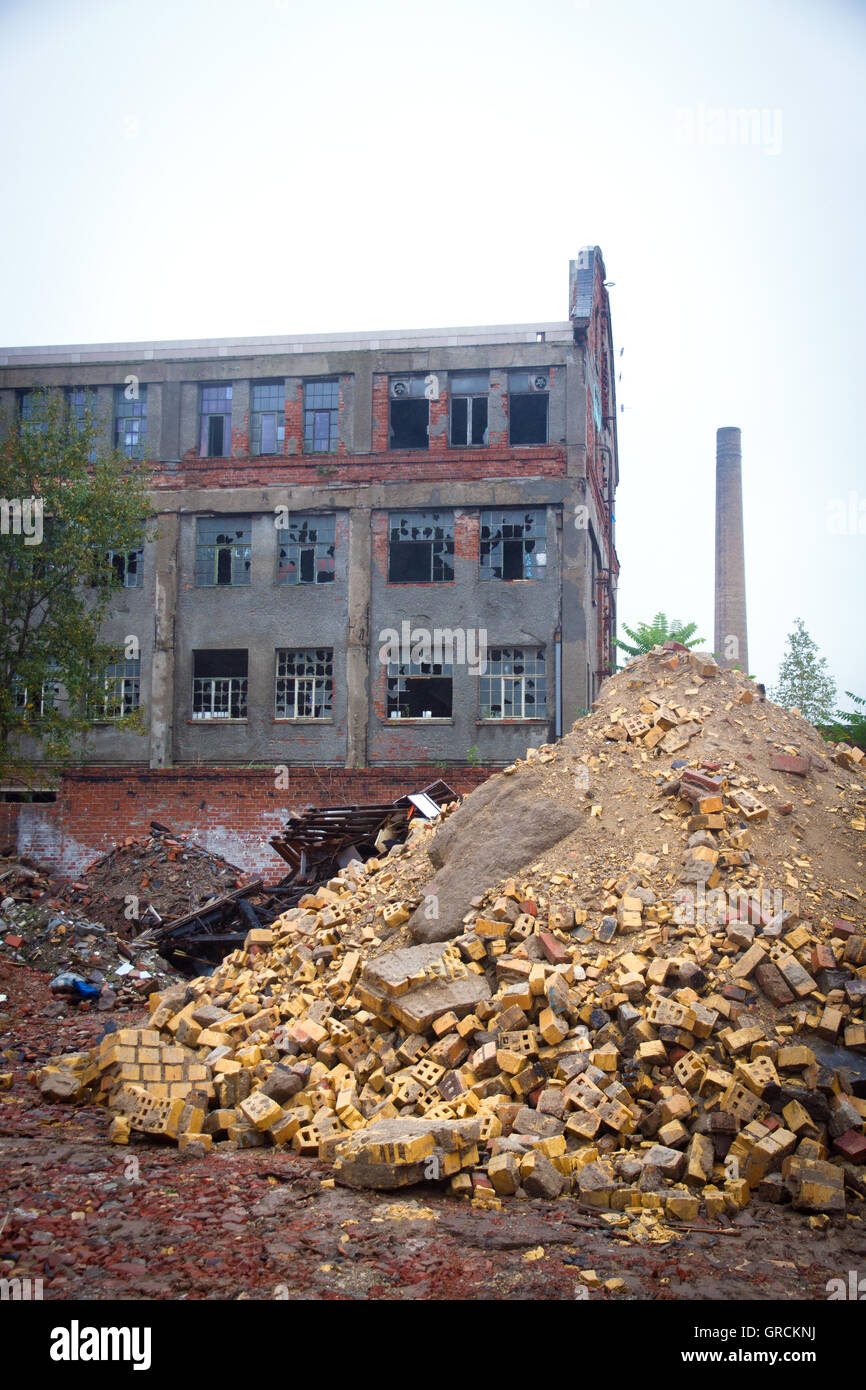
[565, 607]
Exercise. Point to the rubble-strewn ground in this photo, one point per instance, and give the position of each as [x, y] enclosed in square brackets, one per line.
[641, 991]
[257, 1223]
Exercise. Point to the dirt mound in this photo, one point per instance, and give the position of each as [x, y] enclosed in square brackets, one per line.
[618, 773]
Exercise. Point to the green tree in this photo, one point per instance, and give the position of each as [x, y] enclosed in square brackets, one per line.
[849, 726]
[804, 682]
[648, 635]
[64, 506]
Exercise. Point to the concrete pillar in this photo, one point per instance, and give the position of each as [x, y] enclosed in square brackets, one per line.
[730, 639]
[358, 637]
[162, 670]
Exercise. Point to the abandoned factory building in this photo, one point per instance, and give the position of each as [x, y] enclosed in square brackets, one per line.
[374, 553]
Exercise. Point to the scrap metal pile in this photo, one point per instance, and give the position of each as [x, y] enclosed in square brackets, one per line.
[315, 844]
[662, 1012]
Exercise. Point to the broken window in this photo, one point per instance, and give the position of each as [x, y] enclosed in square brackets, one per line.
[305, 551]
[420, 690]
[527, 407]
[223, 550]
[469, 409]
[34, 702]
[420, 547]
[219, 684]
[321, 416]
[267, 417]
[512, 544]
[409, 416]
[122, 682]
[127, 566]
[514, 685]
[130, 419]
[81, 404]
[305, 684]
[216, 422]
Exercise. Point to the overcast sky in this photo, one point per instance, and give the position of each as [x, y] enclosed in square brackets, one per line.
[214, 168]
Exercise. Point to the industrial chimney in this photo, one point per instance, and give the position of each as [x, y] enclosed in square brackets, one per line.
[731, 642]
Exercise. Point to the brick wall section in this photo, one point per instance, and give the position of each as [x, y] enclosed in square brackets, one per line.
[230, 811]
[8, 824]
[410, 466]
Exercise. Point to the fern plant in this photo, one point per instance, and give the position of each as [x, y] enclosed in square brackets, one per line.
[648, 635]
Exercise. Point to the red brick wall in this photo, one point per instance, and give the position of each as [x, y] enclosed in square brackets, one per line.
[230, 811]
[438, 465]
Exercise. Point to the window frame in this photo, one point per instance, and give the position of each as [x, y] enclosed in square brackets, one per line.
[309, 683]
[241, 552]
[486, 545]
[206, 416]
[398, 673]
[127, 411]
[516, 392]
[528, 655]
[416, 394]
[312, 412]
[322, 549]
[472, 396]
[445, 544]
[236, 689]
[119, 675]
[258, 415]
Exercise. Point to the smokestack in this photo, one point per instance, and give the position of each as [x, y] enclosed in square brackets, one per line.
[731, 643]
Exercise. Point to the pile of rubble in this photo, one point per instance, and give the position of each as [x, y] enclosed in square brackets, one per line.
[660, 1009]
[150, 881]
[22, 880]
[86, 960]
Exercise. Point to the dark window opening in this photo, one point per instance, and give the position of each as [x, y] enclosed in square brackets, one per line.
[512, 545]
[420, 690]
[421, 548]
[14, 795]
[219, 685]
[528, 419]
[127, 567]
[216, 421]
[409, 421]
[468, 421]
[215, 432]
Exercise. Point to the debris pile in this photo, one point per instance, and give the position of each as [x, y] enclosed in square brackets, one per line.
[150, 881]
[22, 880]
[659, 1010]
[85, 959]
[315, 844]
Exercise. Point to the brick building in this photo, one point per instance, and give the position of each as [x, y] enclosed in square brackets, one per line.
[378, 556]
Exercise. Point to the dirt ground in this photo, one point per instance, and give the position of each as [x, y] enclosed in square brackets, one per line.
[95, 1221]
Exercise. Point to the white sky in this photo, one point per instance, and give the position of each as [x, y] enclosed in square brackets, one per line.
[227, 167]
